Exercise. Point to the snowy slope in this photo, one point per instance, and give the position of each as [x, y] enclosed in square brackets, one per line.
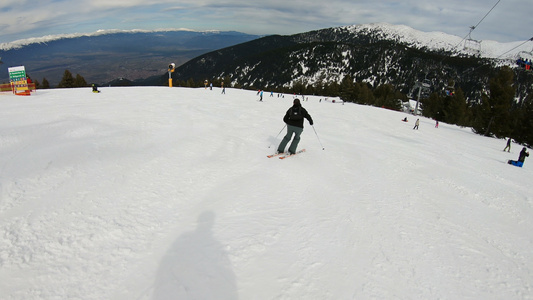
[158, 193]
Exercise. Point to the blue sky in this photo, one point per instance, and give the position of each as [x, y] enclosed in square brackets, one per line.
[511, 20]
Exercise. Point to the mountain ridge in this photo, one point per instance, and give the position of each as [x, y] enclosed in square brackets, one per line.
[103, 64]
[108, 55]
[375, 54]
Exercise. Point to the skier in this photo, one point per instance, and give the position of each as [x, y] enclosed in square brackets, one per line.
[261, 96]
[521, 158]
[508, 145]
[436, 124]
[294, 118]
[416, 124]
[95, 89]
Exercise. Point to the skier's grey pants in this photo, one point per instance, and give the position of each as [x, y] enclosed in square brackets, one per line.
[290, 130]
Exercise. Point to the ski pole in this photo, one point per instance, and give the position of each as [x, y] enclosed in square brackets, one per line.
[317, 137]
[278, 134]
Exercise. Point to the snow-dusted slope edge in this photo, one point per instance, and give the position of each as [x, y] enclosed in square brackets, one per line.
[441, 40]
[158, 193]
[49, 38]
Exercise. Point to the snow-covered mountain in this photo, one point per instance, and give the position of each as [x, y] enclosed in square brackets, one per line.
[401, 33]
[377, 54]
[103, 56]
[106, 55]
[50, 38]
[443, 41]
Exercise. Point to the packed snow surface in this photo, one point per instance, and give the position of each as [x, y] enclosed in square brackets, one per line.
[167, 193]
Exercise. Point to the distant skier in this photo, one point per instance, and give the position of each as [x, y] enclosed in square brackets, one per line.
[405, 119]
[521, 158]
[294, 118]
[416, 124]
[508, 145]
[261, 96]
[95, 89]
[436, 124]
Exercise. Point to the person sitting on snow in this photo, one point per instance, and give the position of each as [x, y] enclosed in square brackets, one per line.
[521, 158]
[523, 155]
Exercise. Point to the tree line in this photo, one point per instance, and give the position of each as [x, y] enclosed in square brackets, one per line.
[67, 81]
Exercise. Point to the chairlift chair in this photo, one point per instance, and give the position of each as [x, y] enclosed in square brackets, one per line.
[525, 59]
[471, 45]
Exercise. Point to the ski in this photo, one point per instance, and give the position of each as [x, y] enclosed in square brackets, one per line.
[275, 154]
[289, 155]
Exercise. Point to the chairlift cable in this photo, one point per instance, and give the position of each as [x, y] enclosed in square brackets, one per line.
[472, 70]
[472, 28]
[531, 39]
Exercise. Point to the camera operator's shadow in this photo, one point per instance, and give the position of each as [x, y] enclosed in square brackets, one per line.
[196, 267]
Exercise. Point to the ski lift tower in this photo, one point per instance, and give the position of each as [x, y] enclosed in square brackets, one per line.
[423, 87]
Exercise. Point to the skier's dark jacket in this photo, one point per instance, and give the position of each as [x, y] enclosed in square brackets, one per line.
[523, 155]
[297, 123]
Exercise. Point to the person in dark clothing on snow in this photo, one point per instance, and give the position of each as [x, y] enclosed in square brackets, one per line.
[523, 155]
[294, 118]
[521, 158]
[508, 146]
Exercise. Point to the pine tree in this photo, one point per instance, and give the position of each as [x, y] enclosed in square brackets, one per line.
[46, 84]
[432, 107]
[494, 115]
[332, 89]
[37, 84]
[455, 110]
[347, 89]
[80, 81]
[523, 130]
[363, 94]
[67, 81]
[385, 96]
[481, 116]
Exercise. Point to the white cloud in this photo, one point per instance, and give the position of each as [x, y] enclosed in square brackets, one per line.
[509, 21]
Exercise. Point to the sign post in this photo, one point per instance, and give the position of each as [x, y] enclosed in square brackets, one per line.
[19, 81]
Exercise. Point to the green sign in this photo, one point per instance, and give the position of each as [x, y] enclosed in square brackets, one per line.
[17, 73]
[17, 76]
